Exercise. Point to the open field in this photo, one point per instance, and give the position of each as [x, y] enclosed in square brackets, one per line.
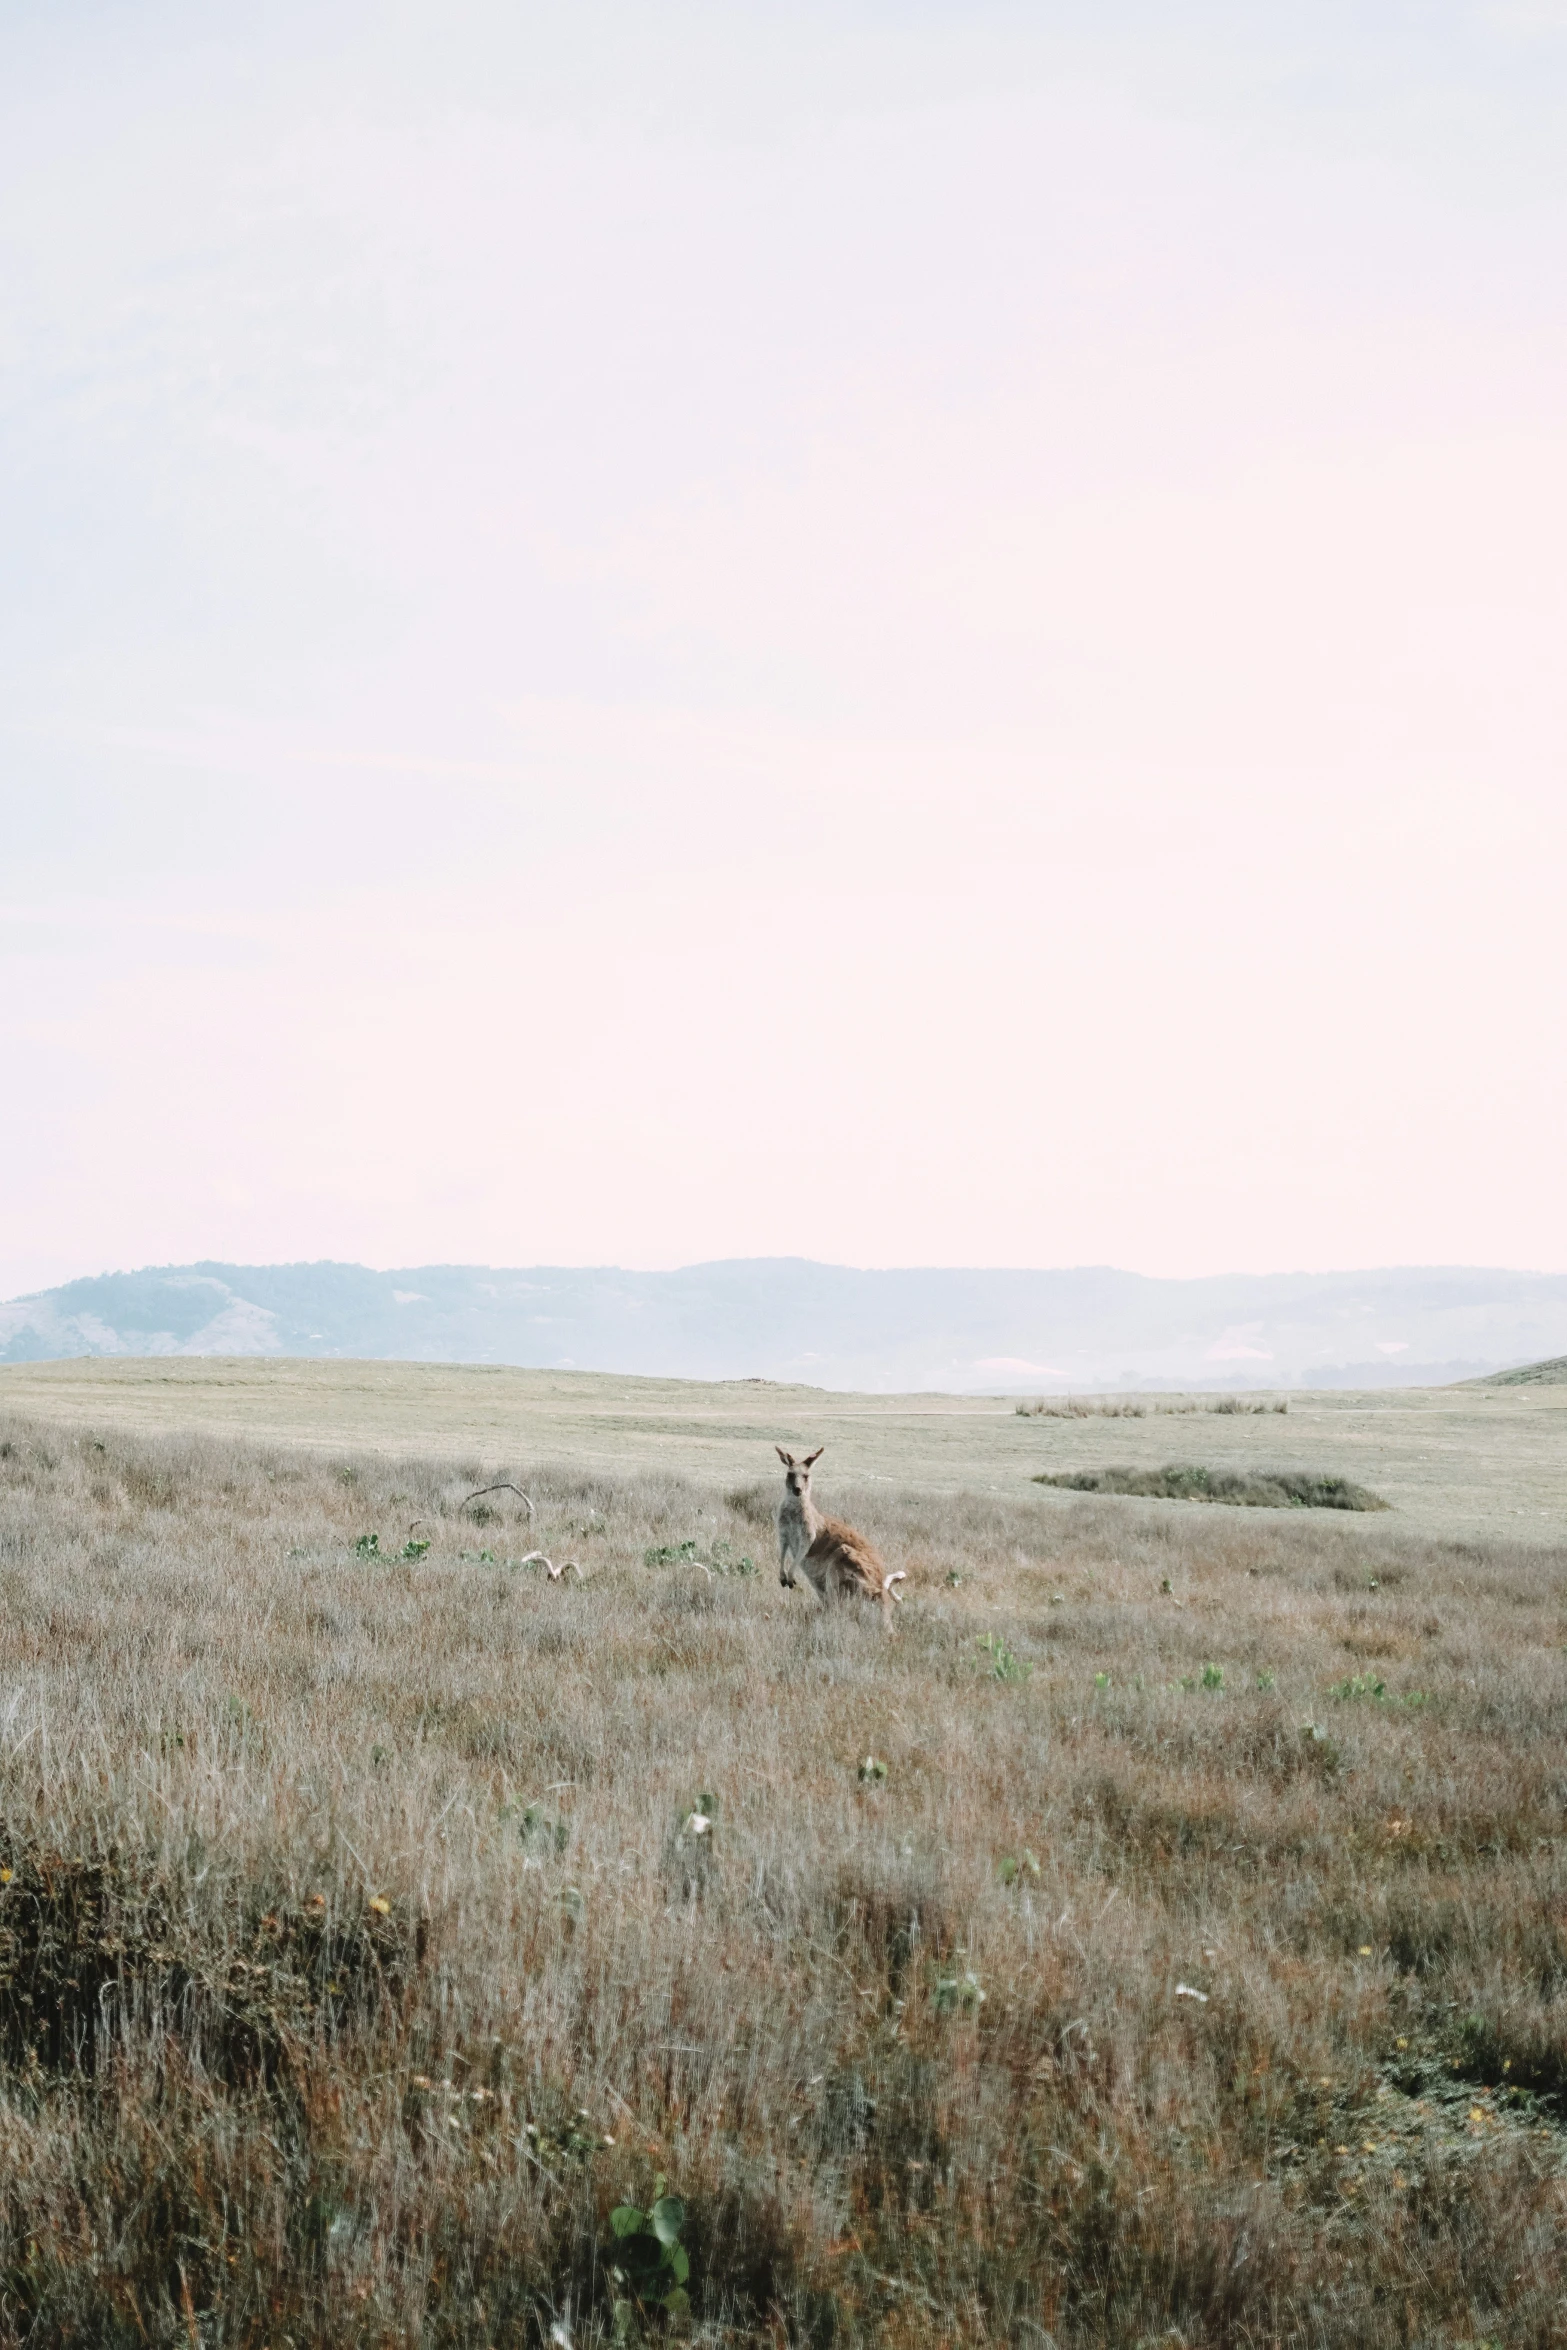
[1468, 1461]
[1160, 1937]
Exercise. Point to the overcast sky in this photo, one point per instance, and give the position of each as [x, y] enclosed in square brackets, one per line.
[924, 633]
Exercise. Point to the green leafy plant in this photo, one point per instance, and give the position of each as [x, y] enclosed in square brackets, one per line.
[368, 1546]
[718, 1557]
[1005, 1664]
[649, 2263]
[412, 1549]
[872, 1771]
[698, 1820]
[563, 2140]
[1267, 1678]
[959, 1995]
[1359, 1685]
[541, 1834]
[477, 1558]
[1213, 1676]
[1011, 1866]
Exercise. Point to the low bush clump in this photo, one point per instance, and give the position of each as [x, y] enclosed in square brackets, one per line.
[1075, 1407]
[1269, 1489]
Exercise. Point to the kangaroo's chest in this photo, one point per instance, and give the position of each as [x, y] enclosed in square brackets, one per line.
[794, 1531]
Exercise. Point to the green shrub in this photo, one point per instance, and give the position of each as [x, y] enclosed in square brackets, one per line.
[670, 1554]
[648, 2260]
[1359, 1685]
[1005, 1665]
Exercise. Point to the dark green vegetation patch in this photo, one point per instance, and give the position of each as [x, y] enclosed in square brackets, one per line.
[1261, 1489]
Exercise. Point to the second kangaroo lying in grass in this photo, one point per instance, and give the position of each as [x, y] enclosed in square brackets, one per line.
[835, 1561]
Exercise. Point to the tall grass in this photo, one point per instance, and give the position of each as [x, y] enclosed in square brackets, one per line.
[1202, 1978]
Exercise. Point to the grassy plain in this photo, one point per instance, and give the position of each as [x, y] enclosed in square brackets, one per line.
[1452, 1461]
[1191, 1967]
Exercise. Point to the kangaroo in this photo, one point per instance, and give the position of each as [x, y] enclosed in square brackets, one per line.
[835, 1561]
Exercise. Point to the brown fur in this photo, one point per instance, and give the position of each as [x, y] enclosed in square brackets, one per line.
[846, 1560]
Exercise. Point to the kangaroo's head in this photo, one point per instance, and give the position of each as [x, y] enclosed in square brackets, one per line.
[797, 1474]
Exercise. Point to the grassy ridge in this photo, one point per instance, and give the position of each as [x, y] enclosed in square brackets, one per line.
[1547, 1374]
[1193, 1960]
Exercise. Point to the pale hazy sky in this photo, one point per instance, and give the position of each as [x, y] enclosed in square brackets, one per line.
[924, 633]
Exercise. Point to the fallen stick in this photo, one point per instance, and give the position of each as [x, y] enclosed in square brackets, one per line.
[505, 1486]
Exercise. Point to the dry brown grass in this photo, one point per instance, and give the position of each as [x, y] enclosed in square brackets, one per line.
[1102, 1407]
[241, 2103]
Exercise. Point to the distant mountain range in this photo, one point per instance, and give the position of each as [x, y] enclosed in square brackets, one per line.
[827, 1325]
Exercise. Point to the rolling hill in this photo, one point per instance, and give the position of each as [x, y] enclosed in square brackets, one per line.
[899, 1331]
[1548, 1374]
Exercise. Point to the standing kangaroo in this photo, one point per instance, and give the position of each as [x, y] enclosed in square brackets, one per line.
[835, 1561]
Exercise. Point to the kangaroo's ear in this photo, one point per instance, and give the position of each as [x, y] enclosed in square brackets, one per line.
[786, 1457]
[812, 1457]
